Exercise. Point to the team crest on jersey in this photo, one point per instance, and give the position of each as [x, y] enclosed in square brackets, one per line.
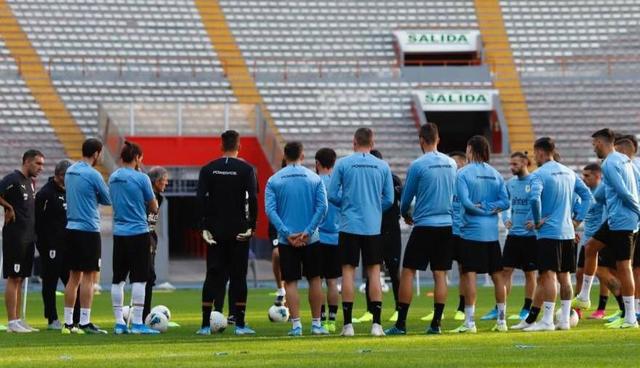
[527, 188]
[99, 262]
[52, 254]
[16, 267]
[25, 196]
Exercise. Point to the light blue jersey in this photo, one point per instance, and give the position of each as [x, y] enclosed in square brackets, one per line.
[431, 181]
[329, 227]
[362, 187]
[85, 191]
[296, 202]
[552, 198]
[596, 215]
[130, 190]
[456, 215]
[520, 212]
[621, 191]
[483, 194]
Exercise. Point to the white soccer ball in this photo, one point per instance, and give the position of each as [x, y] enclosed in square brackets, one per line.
[218, 321]
[125, 312]
[574, 318]
[163, 310]
[278, 314]
[157, 321]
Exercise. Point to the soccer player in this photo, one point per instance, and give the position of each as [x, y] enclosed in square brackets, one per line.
[520, 246]
[623, 210]
[85, 191]
[227, 187]
[17, 196]
[483, 195]
[296, 203]
[132, 197]
[362, 187]
[430, 180]
[329, 251]
[51, 223]
[392, 247]
[551, 198]
[159, 177]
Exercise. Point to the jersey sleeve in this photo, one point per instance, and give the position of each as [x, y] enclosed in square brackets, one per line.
[387, 189]
[321, 207]
[466, 204]
[102, 192]
[585, 201]
[616, 181]
[334, 193]
[252, 191]
[147, 188]
[409, 190]
[271, 206]
[535, 198]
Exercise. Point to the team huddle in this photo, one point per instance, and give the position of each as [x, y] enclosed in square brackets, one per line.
[325, 223]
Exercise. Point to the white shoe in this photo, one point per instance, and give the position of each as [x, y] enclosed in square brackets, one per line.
[376, 330]
[522, 325]
[27, 326]
[347, 330]
[540, 326]
[16, 327]
[563, 326]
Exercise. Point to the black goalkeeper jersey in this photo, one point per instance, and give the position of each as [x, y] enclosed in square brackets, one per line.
[227, 197]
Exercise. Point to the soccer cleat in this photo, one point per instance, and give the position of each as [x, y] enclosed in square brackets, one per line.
[465, 329]
[3, 327]
[459, 316]
[563, 326]
[16, 327]
[520, 316]
[244, 331]
[522, 325]
[319, 330]
[491, 315]
[330, 326]
[68, 330]
[613, 316]
[428, 317]
[615, 324]
[366, 317]
[142, 329]
[626, 325]
[120, 329]
[433, 331]
[514, 317]
[280, 300]
[376, 330]
[27, 326]
[394, 317]
[347, 330]
[500, 327]
[599, 314]
[204, 331]
[579, 303]
[173, 324]
[295, 332]
[54, 326]
[91, 329]
[540, 326]
[394, 331]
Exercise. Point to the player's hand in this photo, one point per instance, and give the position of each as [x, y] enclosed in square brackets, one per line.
[577, 238]
[530, 225]
[540, 224]
[304, 238]
[508, 224]
[576, 224]
[245, 236]
[295, 240]
[408, 220]
[208, 237]
[9, 215]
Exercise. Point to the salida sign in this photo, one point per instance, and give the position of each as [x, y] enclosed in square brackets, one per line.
[437, 41]
[457, 100]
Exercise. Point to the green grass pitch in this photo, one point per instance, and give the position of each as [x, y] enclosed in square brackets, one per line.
[589, 345]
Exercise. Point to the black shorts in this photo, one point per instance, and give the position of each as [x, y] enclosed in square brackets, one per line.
[54, 264]
[636, 252]
[17, 259]
[455, 243]
[229, 258]
[606, 258]
[621, 243]
[556, 255]
[85, 248]
[581, 257]
[391, 248]
[131, 257]
[481, 257]
[352, 245]
[520, 252]
[428, 246]
[331, 265]
[298, 261]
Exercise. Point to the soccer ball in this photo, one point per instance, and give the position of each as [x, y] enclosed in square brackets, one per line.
[125, 312]
[163, 310]
[218, 321]
[157, 321]
[574, 318]
[279, 314]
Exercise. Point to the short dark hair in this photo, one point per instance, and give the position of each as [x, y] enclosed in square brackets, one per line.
[626, 142]
[130, 151]
[545, 144]
[61, 167]
[458, 154]
[593, 167]
[326, 157]
[522, 155]
[30, 155]
[479, 148]
[429, 133]
[230, 140]
[363, 137]
[605, 134]
[293, 151]
[631, 138]
[376, 153]
[90, 147]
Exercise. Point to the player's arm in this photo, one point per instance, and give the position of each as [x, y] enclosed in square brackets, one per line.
[321, 208]
[271, 206]
[147, 194]
[387, 190]
[599, 195]
[202, 190]
[102, 191]
[586, 199]
[465, 200]
[615, 180]
[252, 190]
[40, 210]
[9, 213]
[334, 192]
[502, 203]
[408, 193]
[506, 214]
[535, 200]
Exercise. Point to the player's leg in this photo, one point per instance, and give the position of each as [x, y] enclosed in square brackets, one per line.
[350, 256]
[151, 282]
[138, 258]
[372, 250]
[566, 294]
[239, 262]
[71, 295]
[120, 271]
[275, 266]
[90, 265]
[607, 276]
[391, 257]
[331, 271]
[627, 288]
[64, 277]
[49, 274]
[405, 294]
[12, 303]
[214, 277]
[333, 298]
[469, 300]
[291, 259]
[636, 273]
[315, 301]
[591, 250]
